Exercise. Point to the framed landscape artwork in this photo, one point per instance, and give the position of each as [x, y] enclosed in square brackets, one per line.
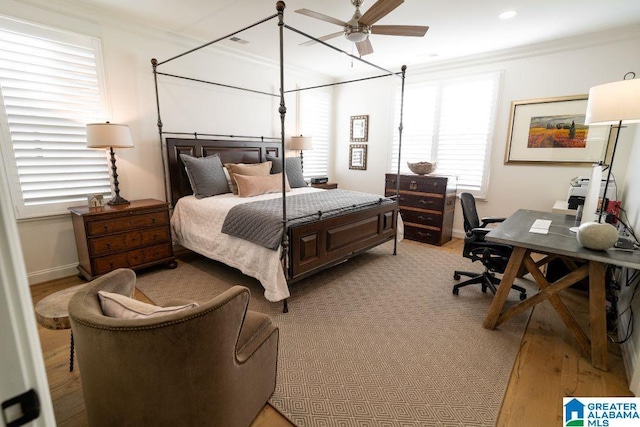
[552, 130]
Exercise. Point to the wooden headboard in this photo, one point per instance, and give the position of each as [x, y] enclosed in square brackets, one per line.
[236, 151]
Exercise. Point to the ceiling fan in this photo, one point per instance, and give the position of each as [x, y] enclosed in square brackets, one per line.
[360, 26]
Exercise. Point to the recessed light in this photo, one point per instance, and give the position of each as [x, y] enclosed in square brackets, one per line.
[508, 14]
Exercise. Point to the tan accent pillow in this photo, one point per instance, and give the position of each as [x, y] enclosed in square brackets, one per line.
[253, 169]
[122, 307]
[249, 186]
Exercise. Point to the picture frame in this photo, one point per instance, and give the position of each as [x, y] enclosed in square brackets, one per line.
[358, 156]
[552, 131]
[95, 201]
[359, 129]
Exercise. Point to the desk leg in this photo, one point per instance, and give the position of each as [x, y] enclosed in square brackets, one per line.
[510, 273]
[598, 314]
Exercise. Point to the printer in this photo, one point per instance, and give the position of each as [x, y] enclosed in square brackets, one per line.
[578, 191]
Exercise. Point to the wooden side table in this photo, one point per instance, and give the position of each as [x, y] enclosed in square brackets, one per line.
[133, 236]
[52, 312]
[326, 185]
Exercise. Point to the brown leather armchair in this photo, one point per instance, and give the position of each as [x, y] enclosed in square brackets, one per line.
[214, 364]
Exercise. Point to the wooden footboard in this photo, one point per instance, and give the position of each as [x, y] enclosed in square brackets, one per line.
[322, 244]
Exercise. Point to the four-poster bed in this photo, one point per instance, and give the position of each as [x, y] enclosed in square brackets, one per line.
[306, 247]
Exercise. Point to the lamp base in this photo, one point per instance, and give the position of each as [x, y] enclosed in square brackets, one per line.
[117, 200]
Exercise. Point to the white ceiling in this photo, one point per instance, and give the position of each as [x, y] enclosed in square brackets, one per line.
[457, 27]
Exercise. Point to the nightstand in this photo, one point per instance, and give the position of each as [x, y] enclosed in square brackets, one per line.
[133, 236]
[326, 185]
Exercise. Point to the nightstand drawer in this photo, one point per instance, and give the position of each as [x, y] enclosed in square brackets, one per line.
[131, 240]
[126, 223]
[132, 259]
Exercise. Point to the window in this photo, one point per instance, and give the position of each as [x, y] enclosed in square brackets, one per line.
[50, 89]
[450, 122]
[315, 121]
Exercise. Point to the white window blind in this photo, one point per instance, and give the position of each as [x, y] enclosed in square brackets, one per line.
[450, 122]
[50, 90]
[315, 121]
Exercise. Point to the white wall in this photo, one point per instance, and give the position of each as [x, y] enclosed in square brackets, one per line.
[563, 68]
[127, 47]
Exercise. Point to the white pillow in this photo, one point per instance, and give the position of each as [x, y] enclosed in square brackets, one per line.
[122, 307]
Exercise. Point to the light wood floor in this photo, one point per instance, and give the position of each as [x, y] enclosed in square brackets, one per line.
[548, 366]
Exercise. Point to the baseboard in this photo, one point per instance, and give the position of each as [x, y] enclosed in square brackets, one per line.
[457, 233]
[52, 274]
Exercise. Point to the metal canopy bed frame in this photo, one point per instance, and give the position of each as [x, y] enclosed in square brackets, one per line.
[308, 248]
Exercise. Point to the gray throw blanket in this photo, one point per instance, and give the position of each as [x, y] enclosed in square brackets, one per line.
[261, 221]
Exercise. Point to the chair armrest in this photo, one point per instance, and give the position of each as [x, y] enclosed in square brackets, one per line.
[490, 220]
[480, 231]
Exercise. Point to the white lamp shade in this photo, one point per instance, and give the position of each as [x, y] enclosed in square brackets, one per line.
[301, 143]
[611, 103]
[108, 135]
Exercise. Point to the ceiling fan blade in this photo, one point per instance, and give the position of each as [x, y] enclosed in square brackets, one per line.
[379, 10]
[400, 30]
[364, 47]
[321, 17]
[323, 38]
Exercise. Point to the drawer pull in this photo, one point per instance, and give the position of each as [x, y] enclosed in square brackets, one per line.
[413, 185]
[106, 228]
[130, 222]
[110, 265]
[108, 245]
[426, 202]
[153, 220]
[422, 218]
[420, 233]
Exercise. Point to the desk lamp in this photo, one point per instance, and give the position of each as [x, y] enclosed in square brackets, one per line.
[301, 143]
[611, 104]
[110, 135]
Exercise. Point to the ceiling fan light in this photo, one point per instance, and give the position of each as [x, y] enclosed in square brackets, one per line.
[356, 35]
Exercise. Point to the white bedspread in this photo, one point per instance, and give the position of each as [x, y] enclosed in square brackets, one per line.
[197, 223]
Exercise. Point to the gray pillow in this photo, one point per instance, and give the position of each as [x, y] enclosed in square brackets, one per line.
[206, 175]
[294, 170]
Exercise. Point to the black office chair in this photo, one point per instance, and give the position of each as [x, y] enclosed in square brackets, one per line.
[494, 256]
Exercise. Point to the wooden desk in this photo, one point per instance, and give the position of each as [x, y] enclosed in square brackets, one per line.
[515, 231]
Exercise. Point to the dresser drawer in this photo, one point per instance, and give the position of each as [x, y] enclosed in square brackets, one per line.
[125, 223]
[424, 218]
[421, 201]
[421, 184]
[422, 234]
[132, 259]
[126, 241]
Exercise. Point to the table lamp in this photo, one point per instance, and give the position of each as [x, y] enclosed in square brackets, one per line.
[611, 104]
[301, 143]
[110, 135]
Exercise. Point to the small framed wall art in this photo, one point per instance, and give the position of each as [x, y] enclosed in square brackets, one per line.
[358, 156]
[359, 128]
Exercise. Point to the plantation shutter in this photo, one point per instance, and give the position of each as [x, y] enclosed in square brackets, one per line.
[315, 121]
[450, 122]
[50, 90]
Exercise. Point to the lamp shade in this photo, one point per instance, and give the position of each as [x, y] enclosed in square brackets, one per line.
[612, 103]
[108, 135]
[301, 143]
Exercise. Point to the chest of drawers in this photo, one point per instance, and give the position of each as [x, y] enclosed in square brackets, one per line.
[123, 236]
[426, 204]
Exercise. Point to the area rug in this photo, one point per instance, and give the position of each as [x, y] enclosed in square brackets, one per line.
[377, 340]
